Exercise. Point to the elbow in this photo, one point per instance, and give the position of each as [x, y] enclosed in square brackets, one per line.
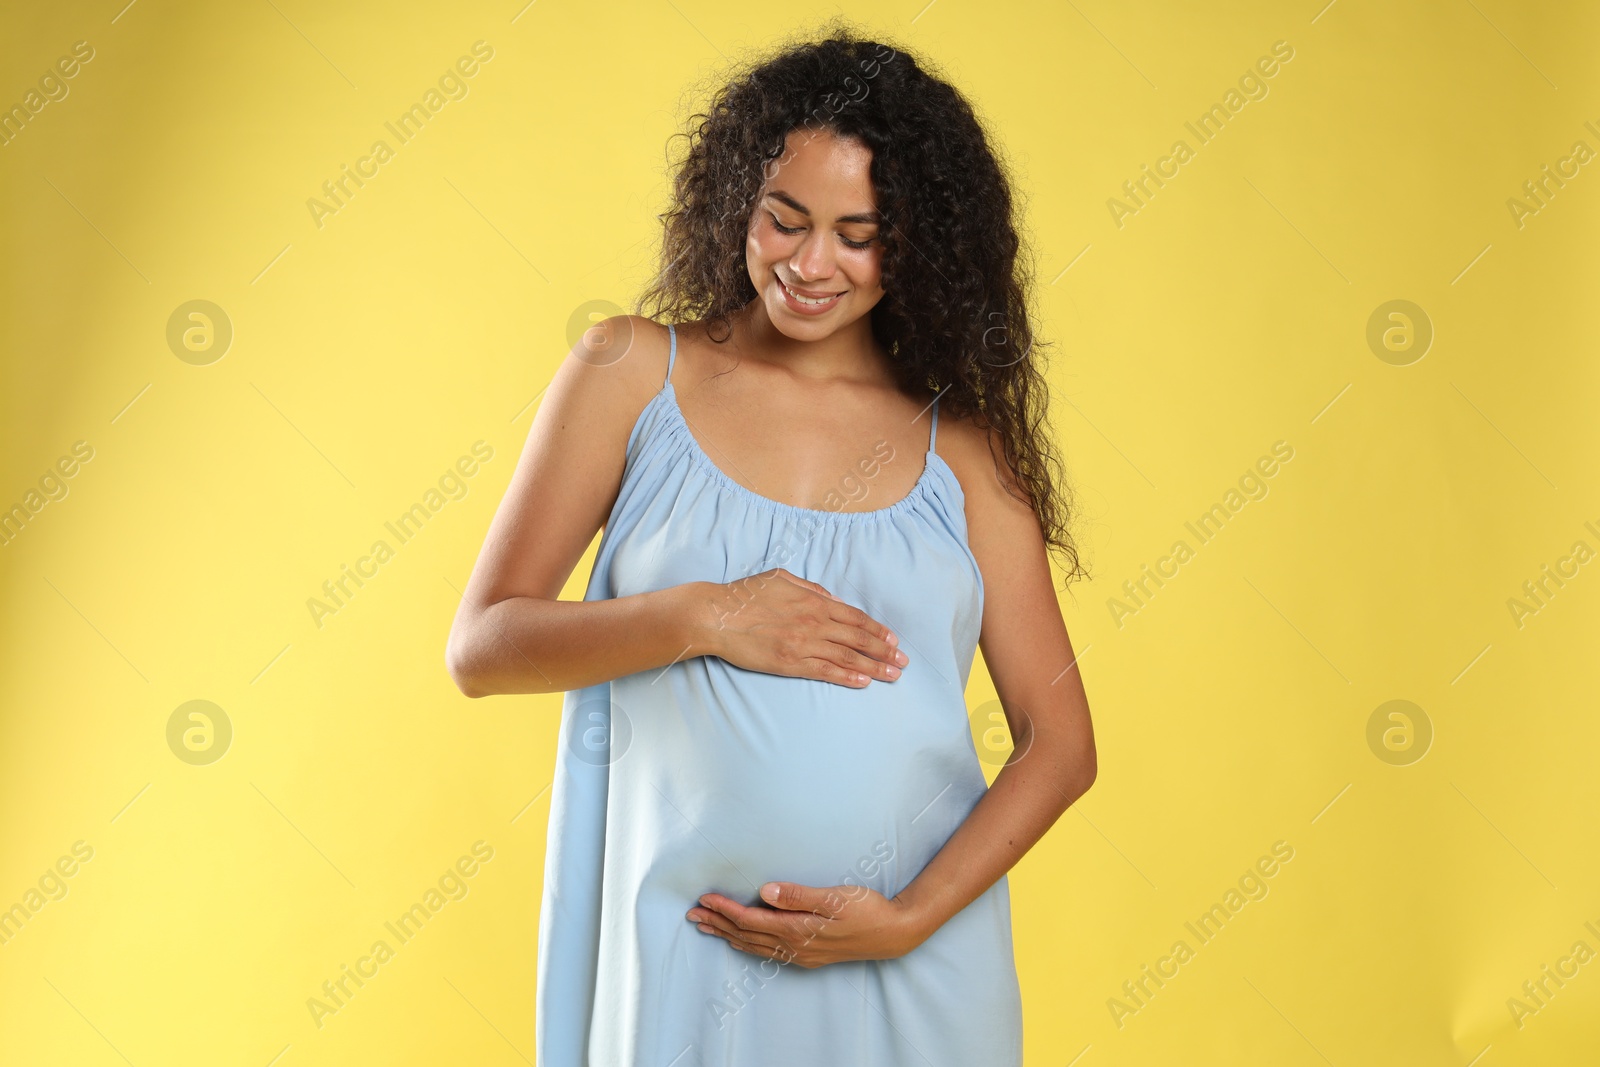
[458, 663]
[464, 683]
[1072, 760]
[1088, 769]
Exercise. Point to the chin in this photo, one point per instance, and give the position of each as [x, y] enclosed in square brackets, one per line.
[802, 328]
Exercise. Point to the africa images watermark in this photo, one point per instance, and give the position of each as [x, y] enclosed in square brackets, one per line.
[51, 886]
[452, 85]
[740, 994]
[452, 886]
[1252, 485]
[1252, 86]
[52, 487]
[452, 485]
[1537, 992]
[854, 486]
[1538, 190]
[852, 90]
[53, 88]
[1252, 886]
[1538, 592]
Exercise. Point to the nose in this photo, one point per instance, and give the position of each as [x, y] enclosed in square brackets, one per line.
[813, 260]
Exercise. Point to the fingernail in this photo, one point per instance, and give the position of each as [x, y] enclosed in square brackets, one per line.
[693, 917]
[901, 658]
[892, 671]
[769, 893]
[893, 640]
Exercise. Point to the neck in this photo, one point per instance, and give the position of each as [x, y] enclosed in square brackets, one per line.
[850, 353]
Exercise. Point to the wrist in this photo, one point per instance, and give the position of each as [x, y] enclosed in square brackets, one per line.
[699, 618]
[919, 919]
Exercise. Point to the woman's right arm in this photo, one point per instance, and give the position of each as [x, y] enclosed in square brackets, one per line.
[511, 634]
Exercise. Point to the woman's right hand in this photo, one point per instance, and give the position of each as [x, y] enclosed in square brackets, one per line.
[778, 623]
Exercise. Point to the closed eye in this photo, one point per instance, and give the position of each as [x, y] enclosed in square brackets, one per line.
[781, 228]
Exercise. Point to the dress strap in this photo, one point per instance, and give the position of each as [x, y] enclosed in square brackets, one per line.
[672, 354]
[933, 433]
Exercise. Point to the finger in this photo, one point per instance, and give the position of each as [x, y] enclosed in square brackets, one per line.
[856, 650]
[869, 640]
[745, 920]
[744, 917]
[880, 641]
[825, 670]
[828, 902]
[727, 926]
[778, 952]
[789, 927]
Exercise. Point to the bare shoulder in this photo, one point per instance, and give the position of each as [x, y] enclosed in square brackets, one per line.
[977, 457]
[1023, 636]
[624, 356]
[606, 379]
[573, 460]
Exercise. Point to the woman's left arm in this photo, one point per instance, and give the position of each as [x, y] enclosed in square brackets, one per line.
[1035, 672]
[1030, 658]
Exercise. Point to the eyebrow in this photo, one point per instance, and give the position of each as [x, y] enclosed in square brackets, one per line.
[871, 218]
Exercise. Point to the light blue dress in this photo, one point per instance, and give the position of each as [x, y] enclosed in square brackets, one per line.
[706, 777]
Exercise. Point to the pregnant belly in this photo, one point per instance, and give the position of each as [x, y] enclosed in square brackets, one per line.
[732, 778]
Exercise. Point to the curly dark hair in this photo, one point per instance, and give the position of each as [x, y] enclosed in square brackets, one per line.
[954, 316]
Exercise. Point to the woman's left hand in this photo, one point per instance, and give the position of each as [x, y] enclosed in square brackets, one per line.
[811, 926]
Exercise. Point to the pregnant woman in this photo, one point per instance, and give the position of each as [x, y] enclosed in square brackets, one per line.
[823, 482]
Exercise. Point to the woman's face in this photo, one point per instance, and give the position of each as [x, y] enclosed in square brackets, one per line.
[812, 248]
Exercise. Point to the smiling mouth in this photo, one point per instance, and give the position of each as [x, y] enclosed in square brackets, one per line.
[809, 301]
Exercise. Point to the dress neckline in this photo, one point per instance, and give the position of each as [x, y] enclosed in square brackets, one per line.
[933, 463]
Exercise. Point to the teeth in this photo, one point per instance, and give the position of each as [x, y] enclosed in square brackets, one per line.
[806, 299]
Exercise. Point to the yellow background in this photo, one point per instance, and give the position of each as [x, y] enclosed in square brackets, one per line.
[368, 354]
